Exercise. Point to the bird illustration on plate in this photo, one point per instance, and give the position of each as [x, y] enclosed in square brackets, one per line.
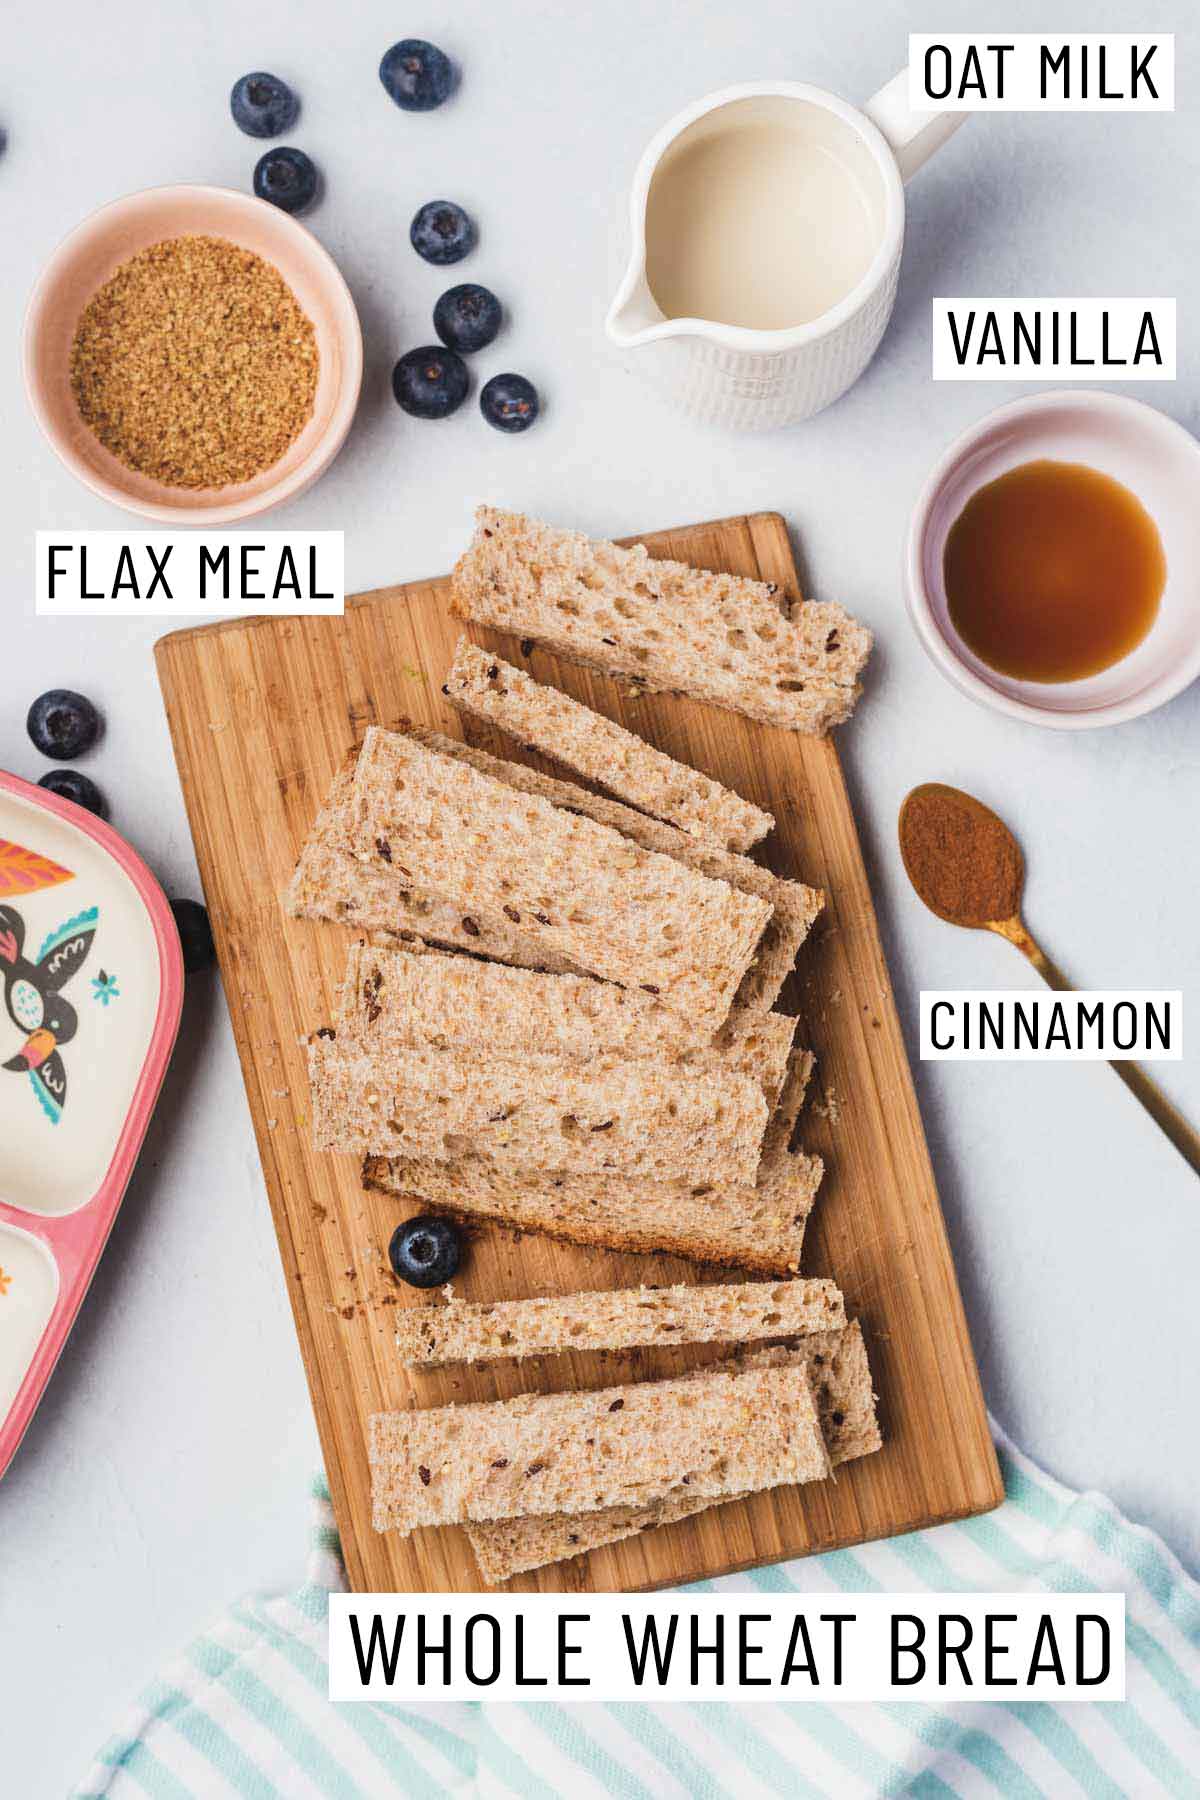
[34, 1001]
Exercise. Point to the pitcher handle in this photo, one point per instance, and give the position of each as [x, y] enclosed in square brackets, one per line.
[913, 136]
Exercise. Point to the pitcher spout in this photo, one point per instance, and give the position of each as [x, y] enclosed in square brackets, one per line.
[634, 313]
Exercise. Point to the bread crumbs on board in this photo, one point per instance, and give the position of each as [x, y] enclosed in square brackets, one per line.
[194, 363]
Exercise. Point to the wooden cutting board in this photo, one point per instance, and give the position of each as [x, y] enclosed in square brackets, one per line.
[262, 711]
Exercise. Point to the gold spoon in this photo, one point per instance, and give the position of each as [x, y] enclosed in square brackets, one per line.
[967, 867]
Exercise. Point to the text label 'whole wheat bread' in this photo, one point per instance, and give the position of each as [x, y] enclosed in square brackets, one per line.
[759, 1228]
[456, 1002]
[839, 1373]
[723, 638]
[482, 1331]
[331, 883]
[621, 912]
[647, 1118]
[545, 1453]
[547, 720]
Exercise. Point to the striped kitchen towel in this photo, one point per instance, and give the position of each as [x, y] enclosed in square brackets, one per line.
[245, 1712]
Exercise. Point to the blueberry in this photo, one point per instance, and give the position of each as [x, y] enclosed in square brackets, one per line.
[63, 724]
[425, 1252]
[417, 75]
[195, 935]
[430, 383]
[69, 784]
[509, 402]
[287, 178]
[262, 105]
[467, 317]
[442, 232]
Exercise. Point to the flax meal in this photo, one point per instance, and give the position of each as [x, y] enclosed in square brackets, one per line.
[194, 363]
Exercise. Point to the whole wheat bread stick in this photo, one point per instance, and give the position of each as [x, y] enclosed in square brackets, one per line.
[723, 638]
[464, 1331]
[623, 1445]
[547, 720]
[331, 883]
[759, 1228]
[795, 905]
[604, 1117]
[623, 913]
[840, 1375]
[456, 1002]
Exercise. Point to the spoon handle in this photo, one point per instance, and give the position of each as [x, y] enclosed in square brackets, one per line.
[1167, 1117]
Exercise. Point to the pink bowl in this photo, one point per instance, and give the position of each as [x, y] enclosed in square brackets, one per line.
[86, 259]
[1138, 446]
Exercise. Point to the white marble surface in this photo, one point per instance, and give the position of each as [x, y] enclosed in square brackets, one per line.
[167, 1470]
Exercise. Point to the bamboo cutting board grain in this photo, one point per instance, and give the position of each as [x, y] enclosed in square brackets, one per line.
[262, 712]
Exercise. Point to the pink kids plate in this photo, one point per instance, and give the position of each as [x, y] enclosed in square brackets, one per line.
[91, 987]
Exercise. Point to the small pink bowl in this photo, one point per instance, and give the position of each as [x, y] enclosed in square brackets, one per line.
[86, 259]
[1139, 446]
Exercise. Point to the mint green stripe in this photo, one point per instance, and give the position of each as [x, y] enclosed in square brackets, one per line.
[276, 1716]
[1027, 1494]
[926, 1563]
[730, 1724]
[851, 1575]
[1171, 1589]
[571, 1739]
[771, 1579]
[455, 1750]
[379, 1740]
[1128, 1723]
[838, 1739]
[1038, 1718]
[1163, 1670]
[1047, 1723]
[142, 1766]
[185, 1715]
[1060, 1577]
[311, 1600]
[651, 1734]
[924, 1786]
[974, 1746]
[118, 1747]
[1140, 1644]
[514, 1773]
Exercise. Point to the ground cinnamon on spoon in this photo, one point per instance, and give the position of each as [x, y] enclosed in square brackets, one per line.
[963, 861]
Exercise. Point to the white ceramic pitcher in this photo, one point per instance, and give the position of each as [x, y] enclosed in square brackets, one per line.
[749, 379]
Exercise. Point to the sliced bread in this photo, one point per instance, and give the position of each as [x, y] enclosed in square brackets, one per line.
[329, 882]
[463, 1331]
[723, 638]
[456, 1002]
[546, 1453]
[838, 1370]
[759, 1228]
[621, 912]
[547, 720]
[795, 905]
[642, 1118]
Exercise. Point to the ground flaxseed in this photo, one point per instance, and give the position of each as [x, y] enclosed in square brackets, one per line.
[194, 363]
